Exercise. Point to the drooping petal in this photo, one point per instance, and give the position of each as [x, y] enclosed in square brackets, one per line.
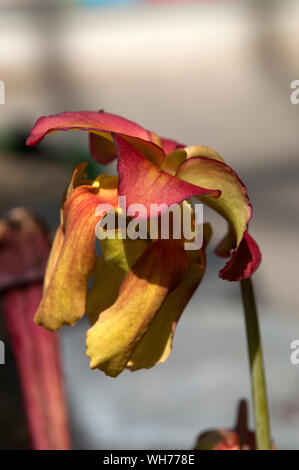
[86, 120]
[78, 178]
[118, 257]
[63, 302]
[112, 339]
[121, 254]
[233, 204]
[54, 255]
[99, 124]
[156, 344]
[224, 247]
[244, 260]
[143, 183]
[104, 292]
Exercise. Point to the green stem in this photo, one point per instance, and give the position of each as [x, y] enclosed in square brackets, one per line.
[258, 384]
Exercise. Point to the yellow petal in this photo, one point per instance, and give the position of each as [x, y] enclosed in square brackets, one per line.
[63, 302]
[54, 255]
[104, 292]
[156, 344]
[233, 203]
[118, 257]
[202, 151]
[122, 254]
[112, 339]
[78, 178]
[173, 160]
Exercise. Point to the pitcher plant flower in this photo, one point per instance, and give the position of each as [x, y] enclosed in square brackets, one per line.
[24, 249]
[140, 287]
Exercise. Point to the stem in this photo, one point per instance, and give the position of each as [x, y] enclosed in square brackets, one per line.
[36, 354]
[258, 383]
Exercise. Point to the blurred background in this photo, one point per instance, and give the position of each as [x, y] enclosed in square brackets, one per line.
[216, 73]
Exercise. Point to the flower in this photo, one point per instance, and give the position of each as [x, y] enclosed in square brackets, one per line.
[238, 438]
[140, 287]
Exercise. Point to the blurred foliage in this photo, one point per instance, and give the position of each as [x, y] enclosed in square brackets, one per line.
[13, 428]
[14, 143]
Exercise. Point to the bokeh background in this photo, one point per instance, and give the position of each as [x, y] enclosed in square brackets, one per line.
[216, 73]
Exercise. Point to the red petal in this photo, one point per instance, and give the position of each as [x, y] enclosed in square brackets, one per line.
[244, 260]
[102, 149]
[85, 120]
[144, 183]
